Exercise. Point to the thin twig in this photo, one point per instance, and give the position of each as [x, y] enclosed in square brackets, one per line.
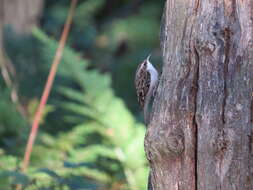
[47, 89]
[8, 70]
[8, 73]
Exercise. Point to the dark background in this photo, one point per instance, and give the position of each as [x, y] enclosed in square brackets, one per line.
[91, 134]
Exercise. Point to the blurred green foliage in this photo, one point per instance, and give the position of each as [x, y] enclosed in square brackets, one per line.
[91, 135]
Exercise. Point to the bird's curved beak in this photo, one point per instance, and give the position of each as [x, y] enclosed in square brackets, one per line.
[148, 57]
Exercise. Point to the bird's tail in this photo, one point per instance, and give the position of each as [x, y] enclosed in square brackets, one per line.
[150, 187]
[146, 110]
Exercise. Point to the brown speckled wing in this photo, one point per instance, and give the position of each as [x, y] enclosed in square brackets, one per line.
[142, 83]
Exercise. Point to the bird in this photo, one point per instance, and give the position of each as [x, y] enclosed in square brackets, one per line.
[146, 80]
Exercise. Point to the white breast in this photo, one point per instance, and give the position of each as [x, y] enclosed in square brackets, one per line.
[153, 74]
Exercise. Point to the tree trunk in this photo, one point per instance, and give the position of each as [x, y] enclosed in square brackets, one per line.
[200, 134]
[21, 14]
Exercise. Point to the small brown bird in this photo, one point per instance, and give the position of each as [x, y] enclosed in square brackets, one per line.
[146, 79]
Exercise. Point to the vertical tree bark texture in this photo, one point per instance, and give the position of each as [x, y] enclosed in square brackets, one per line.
[200, 134]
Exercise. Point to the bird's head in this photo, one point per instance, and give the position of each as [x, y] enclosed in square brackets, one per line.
[146, 61]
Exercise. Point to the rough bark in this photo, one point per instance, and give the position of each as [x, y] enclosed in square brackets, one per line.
[200, 134]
